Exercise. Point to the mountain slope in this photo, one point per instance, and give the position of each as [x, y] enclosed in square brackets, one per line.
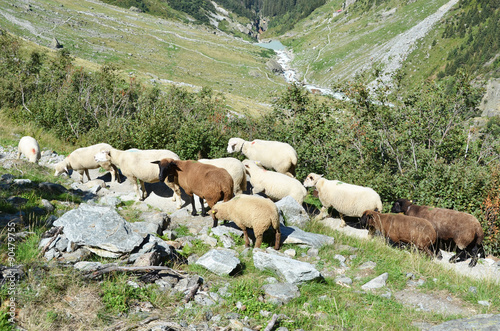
[148, 47]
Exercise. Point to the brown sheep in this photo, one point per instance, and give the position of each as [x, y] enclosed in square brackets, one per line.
[462, 228]
[250, 211]
[206, 181]
[402, 229]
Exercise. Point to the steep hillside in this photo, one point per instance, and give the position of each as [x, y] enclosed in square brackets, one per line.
[148, 47]
[423, 38]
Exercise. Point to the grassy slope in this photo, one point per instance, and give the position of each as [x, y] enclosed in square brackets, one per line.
[148, 47]
[332, 46]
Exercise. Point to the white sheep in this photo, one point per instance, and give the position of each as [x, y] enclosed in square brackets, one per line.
[273, 184]
[30, 148]
[82, 159]
[235, 169]
[347, 199]
[136, 165]
[272, 154]
[249, 211]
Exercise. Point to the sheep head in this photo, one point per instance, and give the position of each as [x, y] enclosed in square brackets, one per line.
[312, 179]
[234, 145]
[367, 219]
[401, 206]
[103, 156]
[168, 168]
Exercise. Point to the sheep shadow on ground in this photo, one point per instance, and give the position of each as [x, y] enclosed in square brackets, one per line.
[269, 235]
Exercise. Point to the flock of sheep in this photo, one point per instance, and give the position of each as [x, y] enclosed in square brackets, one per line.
[221, 183]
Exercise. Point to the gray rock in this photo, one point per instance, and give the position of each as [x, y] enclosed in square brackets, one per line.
[47, 205]
[375, 283]
[281, 293]
[486, 322]
[52, 188]
[295, 235]
[368, 265]
[22, 182]
[227, 229]
[186, 284]
[293, 271]
[220, 261]
[148, 259]
[343, 280]
[145, 228]
[76, 256]
[100, 228]
[292, 212]
[203, 300]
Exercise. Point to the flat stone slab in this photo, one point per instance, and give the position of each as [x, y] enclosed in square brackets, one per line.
[99, 227]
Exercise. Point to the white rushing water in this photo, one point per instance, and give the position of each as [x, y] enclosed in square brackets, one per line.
[284, 57]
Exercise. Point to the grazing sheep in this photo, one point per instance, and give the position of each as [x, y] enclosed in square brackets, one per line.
[135, 164]
[82, 159]
[273, 184]
[29, 147]
[249, 211]
[205, 180]
[462, 228]
[402, 229]
[347, 199]
[272, 154]
[235, 168]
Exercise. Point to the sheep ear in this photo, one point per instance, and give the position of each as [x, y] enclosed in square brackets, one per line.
[155, 162]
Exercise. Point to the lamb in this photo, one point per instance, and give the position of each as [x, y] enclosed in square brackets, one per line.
[205, 180]
[347, 199]
[272, 154]
[273, 184]
[136, 165]
[249, 211]
[402, 229]
[82, 159]
[462, 228]
[30, 148]
[235, 168]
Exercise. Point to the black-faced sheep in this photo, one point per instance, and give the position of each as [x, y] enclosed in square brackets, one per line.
[82, 159]
[249, 211]
[206, 181]
[235, 168]
[402, 229]
[136, 165]
[347, 199]
[273, 184]
[272, 154]
[462, 228]
[28, 146]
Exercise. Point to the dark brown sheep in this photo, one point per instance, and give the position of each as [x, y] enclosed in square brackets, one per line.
[461, 228]
[402, 229]
[206, 181]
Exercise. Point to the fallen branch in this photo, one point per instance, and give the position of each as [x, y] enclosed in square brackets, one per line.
[110, 268]
[191, 293]
[271, 323]
[46, 247]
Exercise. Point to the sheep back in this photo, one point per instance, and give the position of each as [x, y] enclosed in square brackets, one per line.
[28, 146]
[402, 228]
[274, 184]
[234, 167]
[248, 211]
[463, 228]
[272, 154]
[206, 181]
[347, 199]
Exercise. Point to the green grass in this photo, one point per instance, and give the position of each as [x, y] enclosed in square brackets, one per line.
[58, 297]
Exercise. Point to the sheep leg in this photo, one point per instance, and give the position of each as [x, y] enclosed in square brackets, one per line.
[115, 174]
[80, 173]
[277, 240]
[174, 186]
[193, 212]
[258, 240]
[459, 256]
[342, 223]
[247, 241]
[87, 173]
[203, 210]
[144, 194]
[474, 254]
[322, 213]
[215, 220]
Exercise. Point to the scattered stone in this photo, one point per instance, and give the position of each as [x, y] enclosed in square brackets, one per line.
[376, 283]
[101, 229]
[294, 235]
[291, 212]
[281, 293]
[485, 322]
[293, 271]
[220, 261]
